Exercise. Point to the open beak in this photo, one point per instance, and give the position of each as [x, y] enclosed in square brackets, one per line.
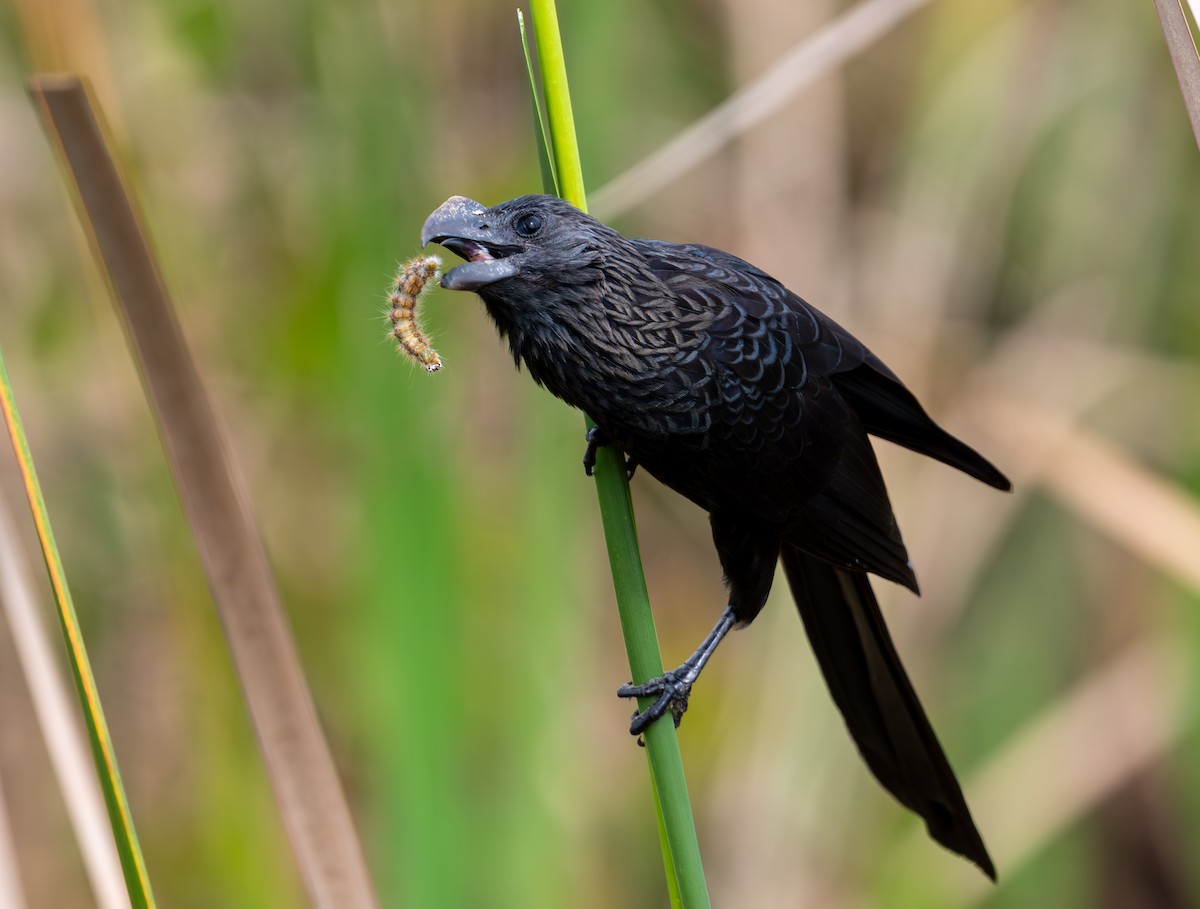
[462, 226]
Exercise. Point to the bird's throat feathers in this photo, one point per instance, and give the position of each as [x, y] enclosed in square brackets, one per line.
[566, 318]
[548, 326]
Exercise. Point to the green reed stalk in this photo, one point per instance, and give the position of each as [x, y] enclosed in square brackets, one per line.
[681, 851]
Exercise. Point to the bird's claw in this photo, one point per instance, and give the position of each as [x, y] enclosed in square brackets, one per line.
[596, 437]
[672, 690]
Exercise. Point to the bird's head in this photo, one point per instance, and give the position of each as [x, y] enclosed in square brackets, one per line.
[532, 240]
[547, 272]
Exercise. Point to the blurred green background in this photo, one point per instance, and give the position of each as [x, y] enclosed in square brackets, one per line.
[999, 198]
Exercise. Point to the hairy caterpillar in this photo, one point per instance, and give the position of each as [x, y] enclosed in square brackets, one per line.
[402, 310]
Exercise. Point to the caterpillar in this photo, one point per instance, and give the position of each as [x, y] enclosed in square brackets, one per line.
[402, 310]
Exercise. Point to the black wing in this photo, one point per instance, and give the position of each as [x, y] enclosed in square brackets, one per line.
[892, 412]
[782, 441]
[884, 405]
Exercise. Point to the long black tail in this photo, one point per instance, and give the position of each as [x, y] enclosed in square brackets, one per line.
[877, 701]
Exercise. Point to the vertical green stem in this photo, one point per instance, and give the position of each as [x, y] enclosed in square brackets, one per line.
[681, 851]
[563, 143]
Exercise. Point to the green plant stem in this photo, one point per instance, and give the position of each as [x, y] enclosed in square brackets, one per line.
[681, 850]
[564, 145]
[133, 865]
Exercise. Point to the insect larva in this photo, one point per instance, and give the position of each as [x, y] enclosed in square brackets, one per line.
[402, 310]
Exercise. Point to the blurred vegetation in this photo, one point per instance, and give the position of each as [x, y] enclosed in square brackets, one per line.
[999, 198]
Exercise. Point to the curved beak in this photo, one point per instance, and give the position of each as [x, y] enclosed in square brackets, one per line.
[462, 226]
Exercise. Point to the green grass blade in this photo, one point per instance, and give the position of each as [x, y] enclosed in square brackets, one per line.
[549, 180]
[132, 864]
[681, 850]
[57, 718]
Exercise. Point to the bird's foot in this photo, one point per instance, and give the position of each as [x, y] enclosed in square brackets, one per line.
[670, 690]
[596, 437]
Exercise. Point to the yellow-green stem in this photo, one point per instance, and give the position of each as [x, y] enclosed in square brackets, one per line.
[137, 881]
[681, 850]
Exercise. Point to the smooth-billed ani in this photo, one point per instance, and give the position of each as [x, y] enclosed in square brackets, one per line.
[733, 391]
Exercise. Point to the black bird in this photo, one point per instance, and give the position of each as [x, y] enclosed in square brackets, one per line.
[730, 389]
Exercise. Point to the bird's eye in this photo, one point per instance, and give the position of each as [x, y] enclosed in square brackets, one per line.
[529, 224]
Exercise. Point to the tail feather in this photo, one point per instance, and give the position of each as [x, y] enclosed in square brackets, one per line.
[877, 701]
